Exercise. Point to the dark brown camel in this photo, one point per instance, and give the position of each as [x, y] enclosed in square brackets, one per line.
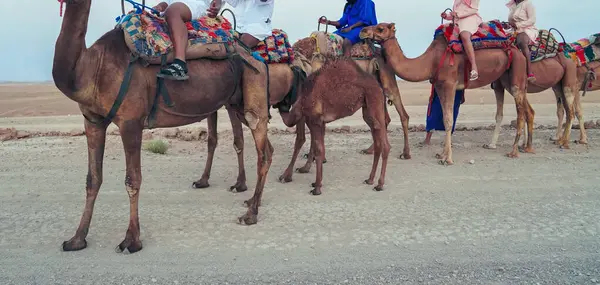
[91, 78]
[337, 90]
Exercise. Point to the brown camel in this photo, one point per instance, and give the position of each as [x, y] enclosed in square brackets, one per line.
[448, 77]
[385, 74]
[337, 90]
[587, 76]
[282, 82]
[90, 78]
[558, 73]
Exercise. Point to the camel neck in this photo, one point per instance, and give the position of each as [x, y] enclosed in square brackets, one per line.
[70, 45]
[413, 70]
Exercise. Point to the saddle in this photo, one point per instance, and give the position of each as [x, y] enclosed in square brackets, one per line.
[490, 35]
[331, 45]
[546, 46]
[584, 50]
[274, 49]
[147, 36]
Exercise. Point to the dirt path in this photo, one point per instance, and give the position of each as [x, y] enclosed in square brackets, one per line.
[497, 221]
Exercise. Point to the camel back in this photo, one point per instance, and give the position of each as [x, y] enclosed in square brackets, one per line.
[490, 35]
[147, 36]
[584, 50]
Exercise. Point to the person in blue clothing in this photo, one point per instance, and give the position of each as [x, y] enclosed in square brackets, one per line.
[357, 15]
[435, 117]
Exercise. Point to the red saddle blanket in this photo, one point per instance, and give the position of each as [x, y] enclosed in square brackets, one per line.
[489, 35]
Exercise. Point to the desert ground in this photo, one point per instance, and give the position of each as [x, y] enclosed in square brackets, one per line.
[488, 219]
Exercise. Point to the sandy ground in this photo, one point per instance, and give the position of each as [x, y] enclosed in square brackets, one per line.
[532, 220]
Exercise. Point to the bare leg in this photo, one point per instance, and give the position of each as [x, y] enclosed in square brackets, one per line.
[176, 15]
[427, 140]
[523, 44]
[468, 47]
[499, 92]
[96, 138]
[131, 134]
[317, 131]
[238, 145]
[447, 93]
[212, 145]
[300, 139]
[249, 40]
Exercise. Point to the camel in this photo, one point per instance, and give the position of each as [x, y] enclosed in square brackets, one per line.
[446, 72]
[87, 76]
[337, 90]
[309, 48]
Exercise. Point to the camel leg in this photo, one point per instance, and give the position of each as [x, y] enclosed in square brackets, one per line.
[404, 118]
[96, 138]
[499, 92]
[310, 155]
[388, 120]
[579, 113]
[566, 94]
[447, 92]
[317, 132]
[131, 135]
[370, 120]
[560, 114]
[528, 132]
[520, 105]
[238, 145]
[212, 141]
[264, 151]
[300, 139]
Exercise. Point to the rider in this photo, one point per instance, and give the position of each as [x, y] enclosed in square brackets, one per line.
[465, 13]
[522, 19]
[253, 20]
[357, 14]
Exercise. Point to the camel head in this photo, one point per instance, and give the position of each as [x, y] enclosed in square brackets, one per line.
[380, 32]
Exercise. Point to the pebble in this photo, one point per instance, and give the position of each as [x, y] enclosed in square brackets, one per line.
[472, 161]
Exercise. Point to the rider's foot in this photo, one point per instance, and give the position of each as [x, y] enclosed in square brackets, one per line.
[175, 71]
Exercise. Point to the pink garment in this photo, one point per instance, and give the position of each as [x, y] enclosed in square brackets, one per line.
[468, 15]
[523, 16]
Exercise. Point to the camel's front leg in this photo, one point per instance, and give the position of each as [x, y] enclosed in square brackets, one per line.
[388, 120]
[264, 151]
[212, 141]
[528, 140]
[317, 131]
[96, 138]
[566, 94]
[520, 105]
[499, 92]
[560, 114]
[300, 139]
[131, 134]
[238, 145]
[447, 93]
[579, 113]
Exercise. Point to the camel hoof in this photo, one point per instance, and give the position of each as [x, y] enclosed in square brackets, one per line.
[565, 146]
[489, 146]
[324, 160]
[405, 156]
[378, 188]
[74, 244]
[248, 219]
[583, 142]
[368, 182]
[284, 178]
[445, 162]
[527, 150]
[238, 188]
[200, 184]
[131, 246]
[302, 170]
[512, 155]
[438, 156]
[366, 151]
[315, 192]
[553, 139]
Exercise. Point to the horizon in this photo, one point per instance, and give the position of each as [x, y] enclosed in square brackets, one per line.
[31, 61]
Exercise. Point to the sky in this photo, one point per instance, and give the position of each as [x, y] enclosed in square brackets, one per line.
[28, 48]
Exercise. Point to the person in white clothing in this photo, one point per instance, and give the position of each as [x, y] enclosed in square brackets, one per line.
[253, 19]
[176, 13]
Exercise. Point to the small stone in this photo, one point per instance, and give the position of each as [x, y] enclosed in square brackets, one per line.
[170, 133]
[594, 280]
[345, 129]
[589, 124]
[76, 133]
[598, 123]
[421, 128]
[23, 134]
[472, 161]
[153, 280]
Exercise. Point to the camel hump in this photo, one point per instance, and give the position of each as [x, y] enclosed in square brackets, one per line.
[147, 36]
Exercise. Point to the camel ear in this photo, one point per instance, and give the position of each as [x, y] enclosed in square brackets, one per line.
[392, 27]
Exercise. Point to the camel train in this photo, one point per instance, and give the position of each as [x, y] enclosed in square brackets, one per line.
[115, 81]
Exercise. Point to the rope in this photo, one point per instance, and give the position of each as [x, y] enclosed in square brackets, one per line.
[62, 2]
[232, 14]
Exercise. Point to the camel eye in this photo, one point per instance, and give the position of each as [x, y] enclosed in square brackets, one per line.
[380, 29]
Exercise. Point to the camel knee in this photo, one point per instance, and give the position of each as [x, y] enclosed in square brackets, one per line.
[132, 185]
[238, 145]
[212, 142]
[93, 184]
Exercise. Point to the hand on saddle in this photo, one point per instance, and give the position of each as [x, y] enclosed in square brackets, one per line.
[215, 7]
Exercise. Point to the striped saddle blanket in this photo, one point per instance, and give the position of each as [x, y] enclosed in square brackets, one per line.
[275, 48]
[584, 50]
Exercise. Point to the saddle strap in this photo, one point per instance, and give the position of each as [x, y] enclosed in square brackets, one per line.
[122, 91]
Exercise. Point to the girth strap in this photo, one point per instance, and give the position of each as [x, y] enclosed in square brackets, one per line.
[122, 91]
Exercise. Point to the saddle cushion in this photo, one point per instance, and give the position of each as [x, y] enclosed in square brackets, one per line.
[489, 35]
[546, 46]
[275, 48]
[330, 44]
[147, 35]
[584, 50]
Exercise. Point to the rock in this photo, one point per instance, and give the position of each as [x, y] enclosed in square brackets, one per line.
[23, 134]
[196, 133]
[589, 124]
[76, 133]
[471, 161]
[598, 123]
[170, 133]
[461, 128]
[421, 128]
[188, 137]
[345, 129]
[8, 134]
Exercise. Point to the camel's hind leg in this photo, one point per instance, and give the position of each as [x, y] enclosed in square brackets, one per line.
[499, 92]
[212, 141]
[371, 148]
[566, 94]
[310, 156]
[300, 139]
[238, 145]
[380, 137]
[528, 130]
[96, 138]
[264, 151]
[131, 134]
[560, 114]
[579, 113]
[520, 105]
[317, 131]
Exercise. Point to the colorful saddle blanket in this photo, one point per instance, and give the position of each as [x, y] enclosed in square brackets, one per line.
[584, 50]
[546, 46]
[275, 49]
[332, 45]
[490, 35]
[147, 35]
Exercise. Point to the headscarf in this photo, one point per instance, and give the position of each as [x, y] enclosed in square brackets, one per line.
[363, 10]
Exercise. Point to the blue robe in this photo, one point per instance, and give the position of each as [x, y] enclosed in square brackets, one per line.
[361, 11]
[435, 117]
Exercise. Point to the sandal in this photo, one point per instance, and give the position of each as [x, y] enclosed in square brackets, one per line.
[473, 75]
[531, 77]
[174, 71]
